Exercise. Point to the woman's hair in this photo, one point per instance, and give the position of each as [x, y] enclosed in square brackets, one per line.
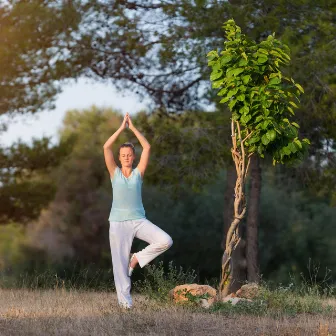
[127, 144]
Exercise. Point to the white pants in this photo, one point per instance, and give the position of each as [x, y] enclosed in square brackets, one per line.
[121, 238]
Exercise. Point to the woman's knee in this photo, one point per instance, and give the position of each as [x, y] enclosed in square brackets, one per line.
[168, 242]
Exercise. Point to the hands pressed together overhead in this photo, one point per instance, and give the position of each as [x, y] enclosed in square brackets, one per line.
[127, 122]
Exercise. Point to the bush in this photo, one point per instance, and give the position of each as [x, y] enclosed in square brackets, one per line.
[156, 284]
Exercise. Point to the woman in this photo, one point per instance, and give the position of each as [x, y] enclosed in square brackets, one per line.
[127, 217]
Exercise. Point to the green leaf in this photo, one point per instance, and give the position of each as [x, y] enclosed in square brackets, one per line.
[262, 59]
[265, 140]
[244, 55]
[244, 110]
[290, 110]
[222, 92]
[232, 92]
[216, 74]
[298, 143]
[299, 87]
[232, 103]
[243, 62]
[274, 80]
[274, 74]
[295, 124]
[245, 118]
[293, 104]
[292, 147]
[265, 124]
[252, 148]
[246, 79]
[271, 134]
[235, 116]
[212, 54]
[241, 97]
[254, 139]
[234, 72]
[263, 51]
[217, 84]
[225, 59]
[224, 100]
[286, 150]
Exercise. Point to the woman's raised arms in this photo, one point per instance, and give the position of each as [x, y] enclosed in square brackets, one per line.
[108, 153]
[142, 165]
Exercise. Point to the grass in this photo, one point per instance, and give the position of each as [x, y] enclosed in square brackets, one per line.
[64, 312]
[50, 305]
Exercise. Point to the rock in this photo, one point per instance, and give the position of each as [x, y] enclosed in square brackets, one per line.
[234, 300]
[204, 295]
[248, 291]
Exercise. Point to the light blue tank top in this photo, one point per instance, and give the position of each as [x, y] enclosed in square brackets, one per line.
[127, 200]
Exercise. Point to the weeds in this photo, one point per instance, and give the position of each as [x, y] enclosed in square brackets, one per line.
[89, 278]
[157, 284]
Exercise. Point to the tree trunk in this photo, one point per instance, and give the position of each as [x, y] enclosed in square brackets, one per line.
[239, 275]
[253, 220]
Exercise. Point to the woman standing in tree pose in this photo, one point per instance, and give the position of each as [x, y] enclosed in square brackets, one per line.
[127, 217]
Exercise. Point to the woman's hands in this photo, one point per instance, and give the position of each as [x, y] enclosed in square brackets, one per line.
[124, 123]
[127, 122]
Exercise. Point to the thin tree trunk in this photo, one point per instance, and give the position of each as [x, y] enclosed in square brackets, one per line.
[239, 275]
[253, 220]
[242, 162]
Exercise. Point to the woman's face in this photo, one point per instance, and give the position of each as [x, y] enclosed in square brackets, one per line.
[126, 156]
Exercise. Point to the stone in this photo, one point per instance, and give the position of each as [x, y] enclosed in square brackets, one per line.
[248, 291]
[234, 299]
[178, 294]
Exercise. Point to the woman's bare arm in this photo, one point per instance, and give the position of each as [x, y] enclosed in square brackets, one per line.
[145, 148]
[108, 153]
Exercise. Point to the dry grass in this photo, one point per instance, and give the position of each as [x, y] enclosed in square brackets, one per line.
[57, 312]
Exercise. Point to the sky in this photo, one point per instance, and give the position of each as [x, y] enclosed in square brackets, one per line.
[78, 95]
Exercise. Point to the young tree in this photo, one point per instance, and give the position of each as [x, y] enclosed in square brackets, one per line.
[262, 100]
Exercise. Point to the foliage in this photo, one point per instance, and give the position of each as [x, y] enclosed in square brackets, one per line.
[185, 148]
[157, 283]
[33, 59]
[293, 228]
[26, 181]
[249, 78]
[289, 218]
[156, 50]
[11, 240]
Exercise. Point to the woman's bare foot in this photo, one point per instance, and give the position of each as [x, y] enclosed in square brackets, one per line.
[134, 261]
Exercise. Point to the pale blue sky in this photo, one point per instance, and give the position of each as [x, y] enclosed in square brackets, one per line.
[79, 95]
